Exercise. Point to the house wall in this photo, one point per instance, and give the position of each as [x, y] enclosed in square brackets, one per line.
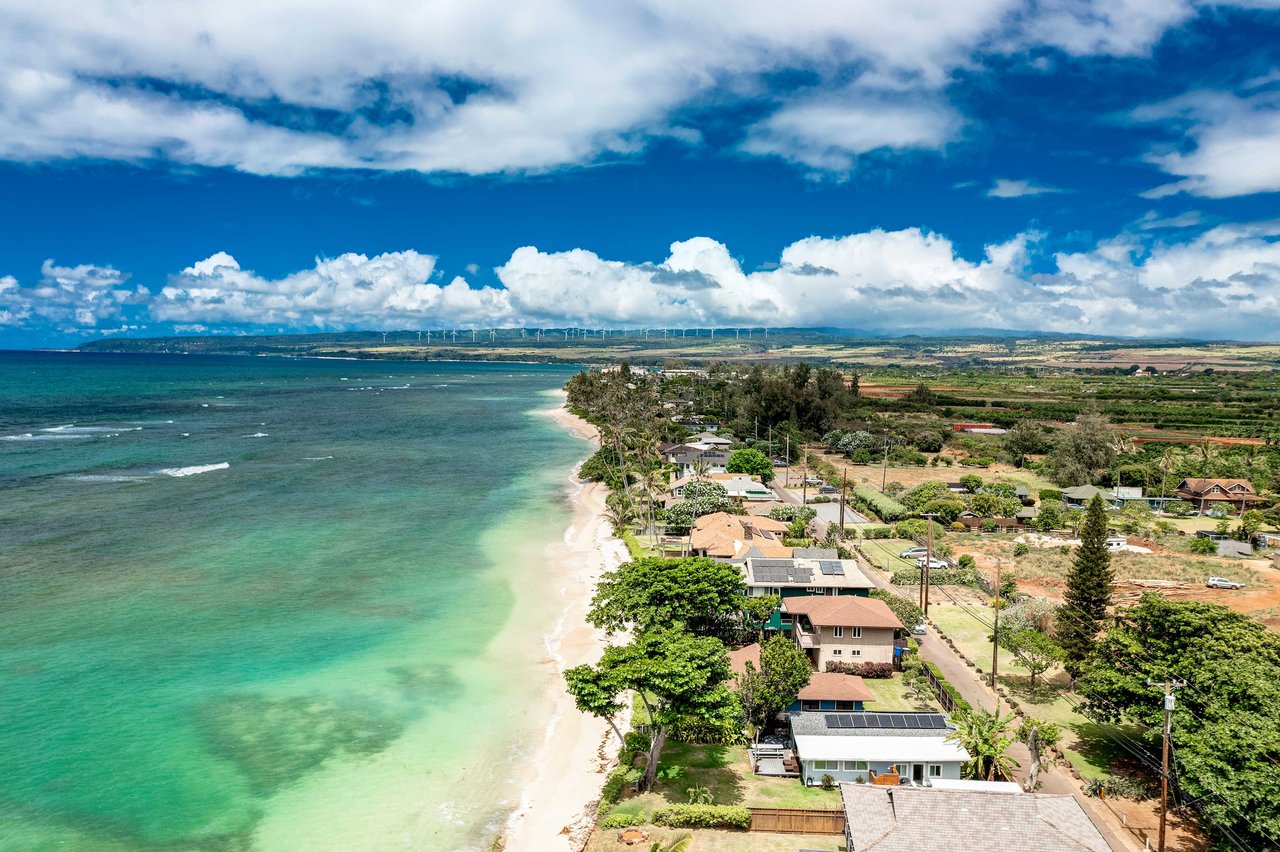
[797, 707]
[812, 774]
[875, 645]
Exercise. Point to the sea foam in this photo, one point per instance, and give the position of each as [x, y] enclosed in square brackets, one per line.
[194, 469]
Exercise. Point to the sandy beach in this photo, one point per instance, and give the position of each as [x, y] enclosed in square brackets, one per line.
[567, 770]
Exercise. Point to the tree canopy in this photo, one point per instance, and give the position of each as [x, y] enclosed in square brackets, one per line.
[1082, 451]
[1226, 721]
[750, 461]
[784, 671]
[657, 592]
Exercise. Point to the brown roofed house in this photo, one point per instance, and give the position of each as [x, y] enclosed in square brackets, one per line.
[727, 537]
[843, 629]
[1205, 493]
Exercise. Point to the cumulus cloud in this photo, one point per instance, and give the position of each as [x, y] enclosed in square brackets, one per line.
[481, 87]
[1004, 188]
[68, 298]
[1225, 283]
[1236, 144]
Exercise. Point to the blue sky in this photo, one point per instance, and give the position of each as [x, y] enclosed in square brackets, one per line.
[233, 166]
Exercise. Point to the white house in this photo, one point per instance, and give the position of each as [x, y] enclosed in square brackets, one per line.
[853, 746]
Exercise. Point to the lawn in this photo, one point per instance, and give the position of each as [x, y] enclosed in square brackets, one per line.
[883, 553]
[892, 694]
[725, 771]
[1090, 747]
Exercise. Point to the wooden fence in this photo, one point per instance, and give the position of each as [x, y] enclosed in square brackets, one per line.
[797, 821]
[944, 697]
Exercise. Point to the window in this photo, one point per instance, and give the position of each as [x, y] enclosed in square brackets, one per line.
[810, 705]
[820, 765]
[837, 632]
[855, 766]
[857, 632]
[935, 770]
[775, 591]
[837, 652]
[813, 590]
[853, 652]
[845, 705]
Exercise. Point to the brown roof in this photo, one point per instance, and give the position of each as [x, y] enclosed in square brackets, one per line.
[830, 686]
[1198, 485]
[738, 659]
[842, 611]
[723, 535]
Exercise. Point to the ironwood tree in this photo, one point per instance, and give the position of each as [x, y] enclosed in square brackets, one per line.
[1088, 592]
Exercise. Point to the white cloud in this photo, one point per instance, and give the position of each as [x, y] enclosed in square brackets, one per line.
[1236, 148]
[68, 298]
[1151, 220]
[1225, 283]
[483, 86]
[1004, 188]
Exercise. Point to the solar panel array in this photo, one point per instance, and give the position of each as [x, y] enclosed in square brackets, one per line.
[831, 566]
[779, 571]
[897, 721]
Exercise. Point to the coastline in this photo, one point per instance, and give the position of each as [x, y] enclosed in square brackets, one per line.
[568, 767]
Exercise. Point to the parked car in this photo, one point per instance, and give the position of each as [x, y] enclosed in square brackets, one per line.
[920, 629]
[1223, 583]
[913, 552]
[934, 564]
[828, 489]
[812, 480]
[779, 462]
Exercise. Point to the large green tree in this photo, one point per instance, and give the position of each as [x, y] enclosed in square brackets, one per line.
[1037, 651]
[784, 671]
[1089, 587]
[1226, 720]
[699, 593]
[1082, 451]
[680, 678]
[750, 461]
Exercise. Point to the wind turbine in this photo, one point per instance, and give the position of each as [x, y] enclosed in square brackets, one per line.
[493, 335]
[428, 336]
[384, 337]
[473, 335]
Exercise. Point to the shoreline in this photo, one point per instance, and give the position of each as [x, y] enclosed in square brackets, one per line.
[568, 766]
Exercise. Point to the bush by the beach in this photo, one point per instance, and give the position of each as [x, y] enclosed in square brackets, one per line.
[618, 821]
[617, 781]
[703, 816]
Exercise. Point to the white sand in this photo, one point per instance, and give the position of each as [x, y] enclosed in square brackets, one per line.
[566, 772]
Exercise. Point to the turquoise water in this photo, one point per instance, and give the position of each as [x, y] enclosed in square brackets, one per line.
[256, 603]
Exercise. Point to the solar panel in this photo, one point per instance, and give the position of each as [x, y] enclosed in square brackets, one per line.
[771, 563]
[831, 566]
[802, 575]
[894, 721]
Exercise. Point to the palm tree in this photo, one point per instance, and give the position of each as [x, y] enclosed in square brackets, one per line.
[1207, 454]
[619, 516]
[654, 483]
[986, 736]
[1169, 460]
[679, 844]
[701, 469]
[1123, 445]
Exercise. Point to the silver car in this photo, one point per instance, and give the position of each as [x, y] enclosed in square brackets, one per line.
[913, 552]
[1223, 583]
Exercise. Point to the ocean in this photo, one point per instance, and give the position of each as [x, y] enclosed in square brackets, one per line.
[276, 604]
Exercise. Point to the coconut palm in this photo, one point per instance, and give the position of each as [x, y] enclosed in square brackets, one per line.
[701, 469]
[1169, 461]
[987, 738]
[679, 844]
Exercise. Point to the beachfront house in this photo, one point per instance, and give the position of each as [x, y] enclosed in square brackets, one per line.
[731, 538]
[740, 486]
[844, 629]
[687, 456]
[876, 748]
[809, 571]
[964, 815]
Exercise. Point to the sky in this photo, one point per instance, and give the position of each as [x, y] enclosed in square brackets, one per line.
[906, 166]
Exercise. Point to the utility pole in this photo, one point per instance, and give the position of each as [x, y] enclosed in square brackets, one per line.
[928, 560]
[885, 474]
[804, 484]
[844, 484]
[1169, 686]
[995, 637]
[786, 471]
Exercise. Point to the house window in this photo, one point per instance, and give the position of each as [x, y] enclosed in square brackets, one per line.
[775, 591]
[857, 632]
[813, 590]
[845, 705]
[810, 705]
[837, 632]
[855, 766]
[820, 765]
[855, 652]
[837, 652]
[935, 770]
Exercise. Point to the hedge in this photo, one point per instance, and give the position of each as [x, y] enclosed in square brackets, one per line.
[633, 546]
[872, 532]
[703, 816]
[937, 577]
[960, 703]
[618, 821]
[868, 670]
[882, 505]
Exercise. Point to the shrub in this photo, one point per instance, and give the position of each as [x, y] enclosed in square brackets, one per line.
[828, 782]
[618, 821]
[883, 506]
[790, 514]
[1021, 549]
[966, 562]
[873, 671]
[616, 782]
[1203, 546]
[1050, 495]
[702, 816]
[908, 613]
[960, 704]
[788, 541]
[821, 498]
[1124, 788]
[876, 532]
[937, 577]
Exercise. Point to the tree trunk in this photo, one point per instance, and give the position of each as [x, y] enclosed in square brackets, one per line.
[655, 751]
[614, 725]
[1033, 745]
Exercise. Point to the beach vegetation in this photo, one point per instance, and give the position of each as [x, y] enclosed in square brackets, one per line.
[703, 816]
[700, 594]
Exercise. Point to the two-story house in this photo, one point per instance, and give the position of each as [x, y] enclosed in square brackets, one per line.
[843, 629]
[1208, 495]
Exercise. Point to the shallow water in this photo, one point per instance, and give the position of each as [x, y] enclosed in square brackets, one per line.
[253, 603]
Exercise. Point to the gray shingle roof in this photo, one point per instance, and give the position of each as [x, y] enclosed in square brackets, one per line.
[919, 819]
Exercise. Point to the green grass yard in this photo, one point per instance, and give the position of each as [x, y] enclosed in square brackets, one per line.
[892, 694]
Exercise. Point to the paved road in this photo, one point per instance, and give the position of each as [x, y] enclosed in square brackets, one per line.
[975, 690]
